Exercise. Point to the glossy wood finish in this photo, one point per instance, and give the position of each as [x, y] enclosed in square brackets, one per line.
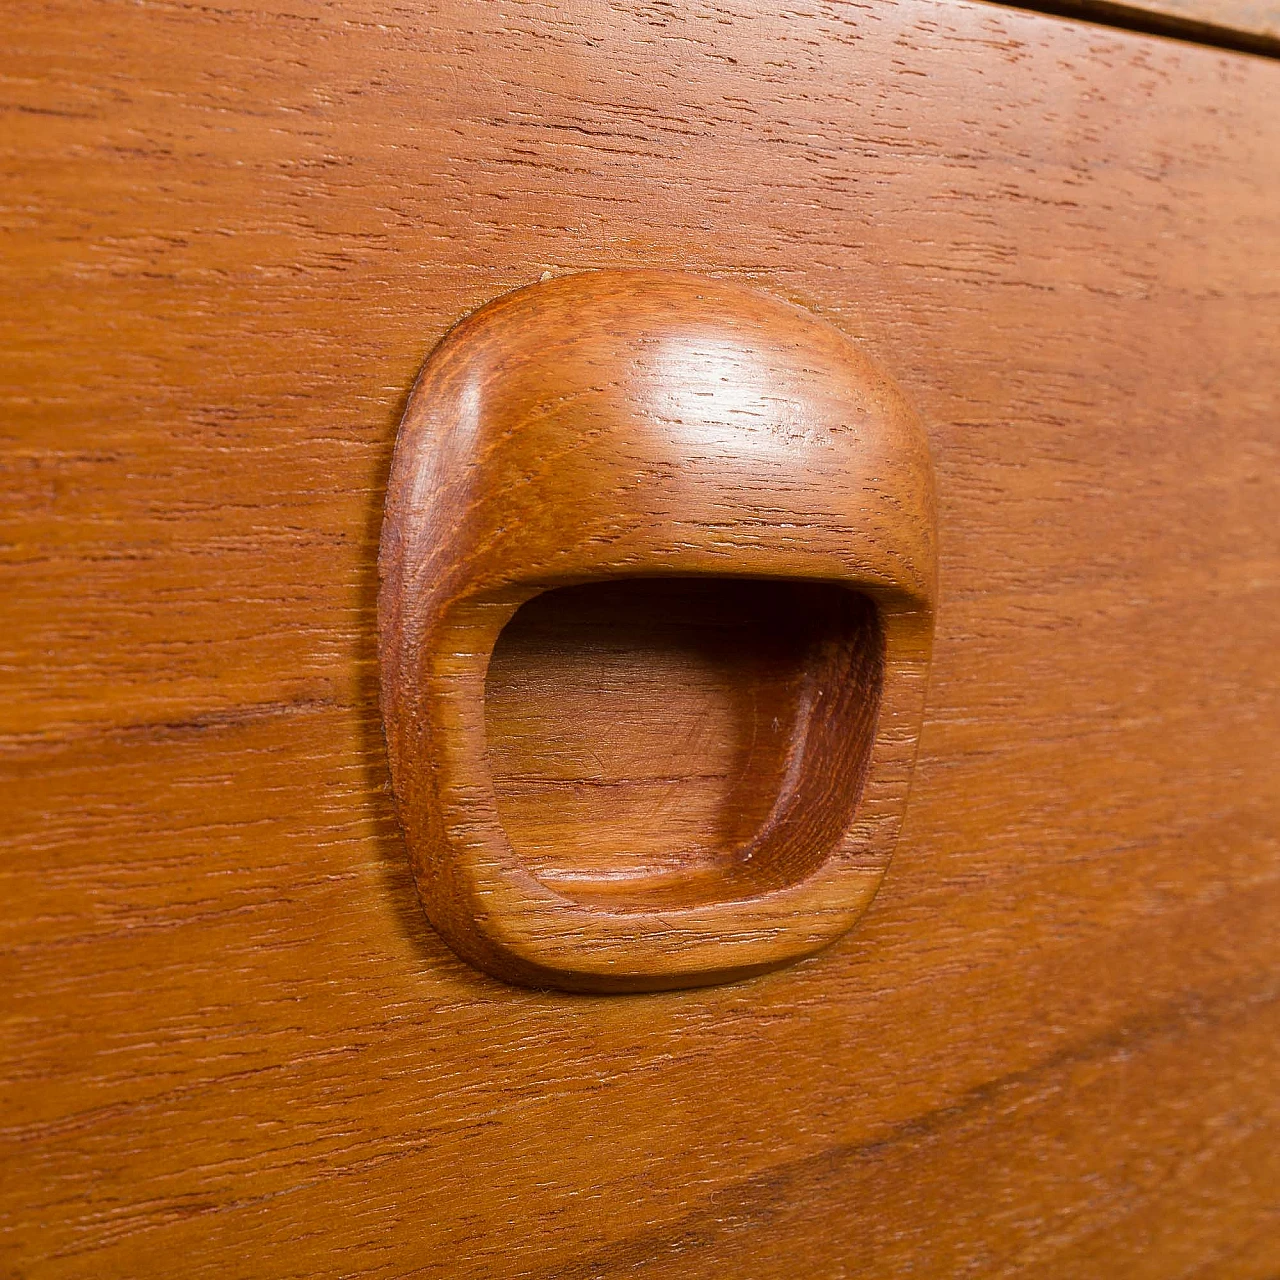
[632, 430]
[231, 1049]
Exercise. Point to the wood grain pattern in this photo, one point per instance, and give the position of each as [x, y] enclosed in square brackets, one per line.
[671, 442]
[230, 1046]
[643, 728]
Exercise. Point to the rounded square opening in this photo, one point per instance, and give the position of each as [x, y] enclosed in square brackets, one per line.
[681, 739]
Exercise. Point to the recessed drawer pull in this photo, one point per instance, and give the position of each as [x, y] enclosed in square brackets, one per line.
[657, 597]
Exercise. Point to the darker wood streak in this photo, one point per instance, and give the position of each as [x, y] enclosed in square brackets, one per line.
[1154, 21]
[750, 1206]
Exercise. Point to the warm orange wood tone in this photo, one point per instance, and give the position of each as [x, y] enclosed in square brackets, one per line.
[232, 1049]
[643, 728]
[630, 429]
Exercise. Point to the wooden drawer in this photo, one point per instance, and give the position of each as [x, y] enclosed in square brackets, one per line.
[234, 1047]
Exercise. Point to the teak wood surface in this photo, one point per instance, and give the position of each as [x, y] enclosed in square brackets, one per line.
[232, 1048]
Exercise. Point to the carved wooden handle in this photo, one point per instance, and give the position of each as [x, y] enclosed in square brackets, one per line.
[639, 520]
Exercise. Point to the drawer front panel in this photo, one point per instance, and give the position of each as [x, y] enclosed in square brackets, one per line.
[1049, 1046]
